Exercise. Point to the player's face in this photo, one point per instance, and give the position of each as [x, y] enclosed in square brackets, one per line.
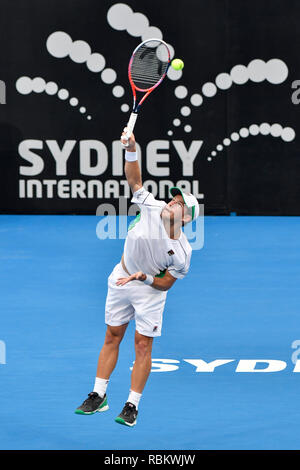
[175, 210]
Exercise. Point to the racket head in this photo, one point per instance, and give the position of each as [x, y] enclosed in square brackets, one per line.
[148, 65]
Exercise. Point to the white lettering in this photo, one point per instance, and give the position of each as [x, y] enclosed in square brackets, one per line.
[163, 365]
[296, 353]
[49, 187]
[34, 184]
[297, 366]
[187, 156]
[164, 188]
[35, 160]
[196, 190]
[77, 189]
[184, 185]
[61, 156]
[153, 158]
[86, 168]
[118, 158]
[2, 352]
[22, 189]
[63, 189]
[246, 365]
[106, 227]
[151, 186]
[95, 185]
[111, 188]
[126, 189]
[202, 366]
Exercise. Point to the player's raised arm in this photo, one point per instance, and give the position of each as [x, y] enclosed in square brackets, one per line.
[132, 168]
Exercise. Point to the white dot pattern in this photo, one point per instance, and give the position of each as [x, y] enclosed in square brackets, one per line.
[275, 71]
[124, 107]
[196, 99]
[181, 92]
[275, 130]
[122, 18]
[60, 45]
[27, 85]
[185, 111]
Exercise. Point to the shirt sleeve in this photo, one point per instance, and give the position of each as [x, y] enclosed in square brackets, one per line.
[145, 199]
[181, 271]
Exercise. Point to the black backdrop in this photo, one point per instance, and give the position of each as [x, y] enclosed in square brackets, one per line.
[258, 174]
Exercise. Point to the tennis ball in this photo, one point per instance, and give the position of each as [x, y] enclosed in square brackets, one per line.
[177, 64]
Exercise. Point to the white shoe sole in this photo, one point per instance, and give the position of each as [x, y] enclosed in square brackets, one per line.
[124, 423]
[104, 408]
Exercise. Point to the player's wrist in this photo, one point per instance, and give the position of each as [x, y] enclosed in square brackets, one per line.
[148, 279]
[131, 155]
[131, 147]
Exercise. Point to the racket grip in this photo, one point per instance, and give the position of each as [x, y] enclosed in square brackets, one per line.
[131, 124]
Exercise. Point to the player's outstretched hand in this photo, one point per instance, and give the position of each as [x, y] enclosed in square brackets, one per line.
[139, 276]
[129, 144]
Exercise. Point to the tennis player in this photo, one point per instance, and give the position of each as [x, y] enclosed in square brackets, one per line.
[156, 254]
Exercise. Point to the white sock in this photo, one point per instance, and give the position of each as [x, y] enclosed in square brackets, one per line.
[100, 386]
[134, 398]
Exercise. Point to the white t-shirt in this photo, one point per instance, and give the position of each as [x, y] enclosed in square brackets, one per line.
[148, 247]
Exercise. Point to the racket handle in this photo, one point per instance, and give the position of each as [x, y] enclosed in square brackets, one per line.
[131, 124]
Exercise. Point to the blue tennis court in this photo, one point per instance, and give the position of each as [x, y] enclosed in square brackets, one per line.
[240, 301]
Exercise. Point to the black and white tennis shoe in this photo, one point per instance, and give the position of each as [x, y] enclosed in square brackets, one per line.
[92, 404]
[128, 415]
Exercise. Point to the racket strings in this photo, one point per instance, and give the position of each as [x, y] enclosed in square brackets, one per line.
[148, 66]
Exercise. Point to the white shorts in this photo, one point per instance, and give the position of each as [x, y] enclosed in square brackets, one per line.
[134, 300]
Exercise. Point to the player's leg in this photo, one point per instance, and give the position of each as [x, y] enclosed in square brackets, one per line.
[118, 313]
[142, 365]
[140, 373]
[97, 400]
[149, 305]
[110, 350]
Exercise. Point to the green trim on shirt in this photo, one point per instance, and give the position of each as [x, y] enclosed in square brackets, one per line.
[161, 274]
[134, 222]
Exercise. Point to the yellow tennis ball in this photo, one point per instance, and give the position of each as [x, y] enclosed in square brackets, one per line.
[177, 64]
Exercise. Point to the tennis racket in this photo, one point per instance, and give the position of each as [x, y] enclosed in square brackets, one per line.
[147, 68]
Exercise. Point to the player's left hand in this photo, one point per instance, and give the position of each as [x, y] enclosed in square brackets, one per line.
[139, 276]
